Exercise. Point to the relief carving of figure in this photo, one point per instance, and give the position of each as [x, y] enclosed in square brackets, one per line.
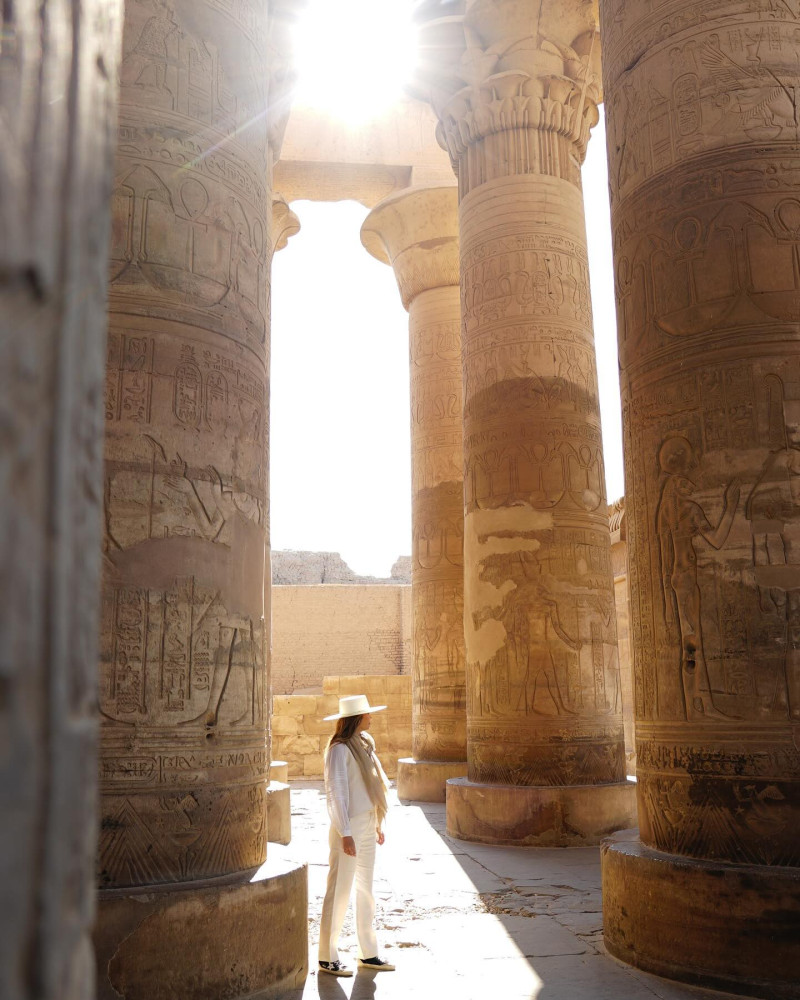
[145, 65]
[680, 521]
[773, 509]
[530, 615]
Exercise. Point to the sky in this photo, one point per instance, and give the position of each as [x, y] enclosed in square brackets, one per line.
[340, 414]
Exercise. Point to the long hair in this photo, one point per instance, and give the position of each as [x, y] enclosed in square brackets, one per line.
[345, 729]
[362, 747]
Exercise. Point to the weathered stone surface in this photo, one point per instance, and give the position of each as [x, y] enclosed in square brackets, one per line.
[242, 936]
[426, 780]
[278, 771]
[292, 568]
[279, 811]
[58, 63]
[322, 161]
[329, 629]
[711, 449]
[416, 232]
[571, 816]
[183, 648]
[703, 160]
[673, 916]
[515, 88]
[618, 526]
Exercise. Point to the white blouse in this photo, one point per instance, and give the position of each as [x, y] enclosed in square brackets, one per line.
[345, 790]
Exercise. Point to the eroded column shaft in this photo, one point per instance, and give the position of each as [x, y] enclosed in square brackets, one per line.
[185, 751]
[57, 106]
[416, 231]
[703, 157]
[543, 675]
[437, 570]
[706, 224]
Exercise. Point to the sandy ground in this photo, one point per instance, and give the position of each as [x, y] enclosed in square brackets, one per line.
[469, 922]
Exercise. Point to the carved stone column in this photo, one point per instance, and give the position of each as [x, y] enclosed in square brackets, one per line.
[416, 231]
[516, 95]
[703, 152]
[187, 906]
[285, 224]
[57, 112]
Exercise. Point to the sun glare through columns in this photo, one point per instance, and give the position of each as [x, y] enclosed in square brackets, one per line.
[353, 57]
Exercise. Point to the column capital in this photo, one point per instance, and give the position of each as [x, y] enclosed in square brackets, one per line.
[416, 231]
[285, 223]
[505, 65]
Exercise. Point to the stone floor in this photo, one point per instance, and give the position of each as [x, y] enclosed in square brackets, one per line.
[469, 922]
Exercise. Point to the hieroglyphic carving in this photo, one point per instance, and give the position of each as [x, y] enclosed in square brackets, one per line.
[516, 93]
[417, 232]
[706, 223]
[184, 677]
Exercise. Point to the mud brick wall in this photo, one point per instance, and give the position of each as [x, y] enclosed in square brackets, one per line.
[338, 629]
[299, 734]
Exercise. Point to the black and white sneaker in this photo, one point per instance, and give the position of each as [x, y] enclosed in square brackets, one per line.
[335, 968]
[378, 964]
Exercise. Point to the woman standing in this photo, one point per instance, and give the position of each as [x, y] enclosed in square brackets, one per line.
[355, 786]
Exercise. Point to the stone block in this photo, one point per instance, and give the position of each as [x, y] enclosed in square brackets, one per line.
[284, 725]
[331, 685]
[278, 771]
[301, 745]
[242, 936]
[313, 766]
[313, 726]
[299, 704]
[279, 813]
[426, 780]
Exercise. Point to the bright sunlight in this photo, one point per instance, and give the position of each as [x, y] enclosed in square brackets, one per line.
[353, 57]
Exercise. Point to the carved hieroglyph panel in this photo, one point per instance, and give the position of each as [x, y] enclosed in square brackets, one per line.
[58, 64]
[439, 710]
[543, 685]
[184, 683]
[706, 223]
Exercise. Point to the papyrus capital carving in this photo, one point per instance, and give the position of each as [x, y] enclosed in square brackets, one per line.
[504, 66]
[285, 223]
[416, 231]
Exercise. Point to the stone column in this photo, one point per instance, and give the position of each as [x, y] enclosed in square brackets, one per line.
[416, 231]
[703, 152]
[285, 224]
[187, 906]
[516, 94]
[57, 109]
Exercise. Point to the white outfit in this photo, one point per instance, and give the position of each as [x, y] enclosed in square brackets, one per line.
[352, 815]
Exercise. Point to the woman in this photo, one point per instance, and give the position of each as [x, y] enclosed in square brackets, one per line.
[355, 786]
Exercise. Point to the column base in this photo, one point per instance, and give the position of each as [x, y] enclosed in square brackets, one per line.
[279, 813]
[731, 927]
[243, 936]
[538, 815]
[426, 780]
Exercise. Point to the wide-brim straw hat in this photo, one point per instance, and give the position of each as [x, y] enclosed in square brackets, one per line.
[354, 704]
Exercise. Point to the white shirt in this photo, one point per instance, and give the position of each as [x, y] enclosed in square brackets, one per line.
[345, 790]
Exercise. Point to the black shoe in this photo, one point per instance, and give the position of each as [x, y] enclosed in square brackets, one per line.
[378, 964]
[335, 968]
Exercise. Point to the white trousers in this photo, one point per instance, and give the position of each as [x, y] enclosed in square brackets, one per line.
[343, 870]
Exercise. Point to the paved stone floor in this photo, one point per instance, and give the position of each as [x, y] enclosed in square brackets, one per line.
[468, 922]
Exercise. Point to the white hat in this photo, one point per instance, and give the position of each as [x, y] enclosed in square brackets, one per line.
[354, 704]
